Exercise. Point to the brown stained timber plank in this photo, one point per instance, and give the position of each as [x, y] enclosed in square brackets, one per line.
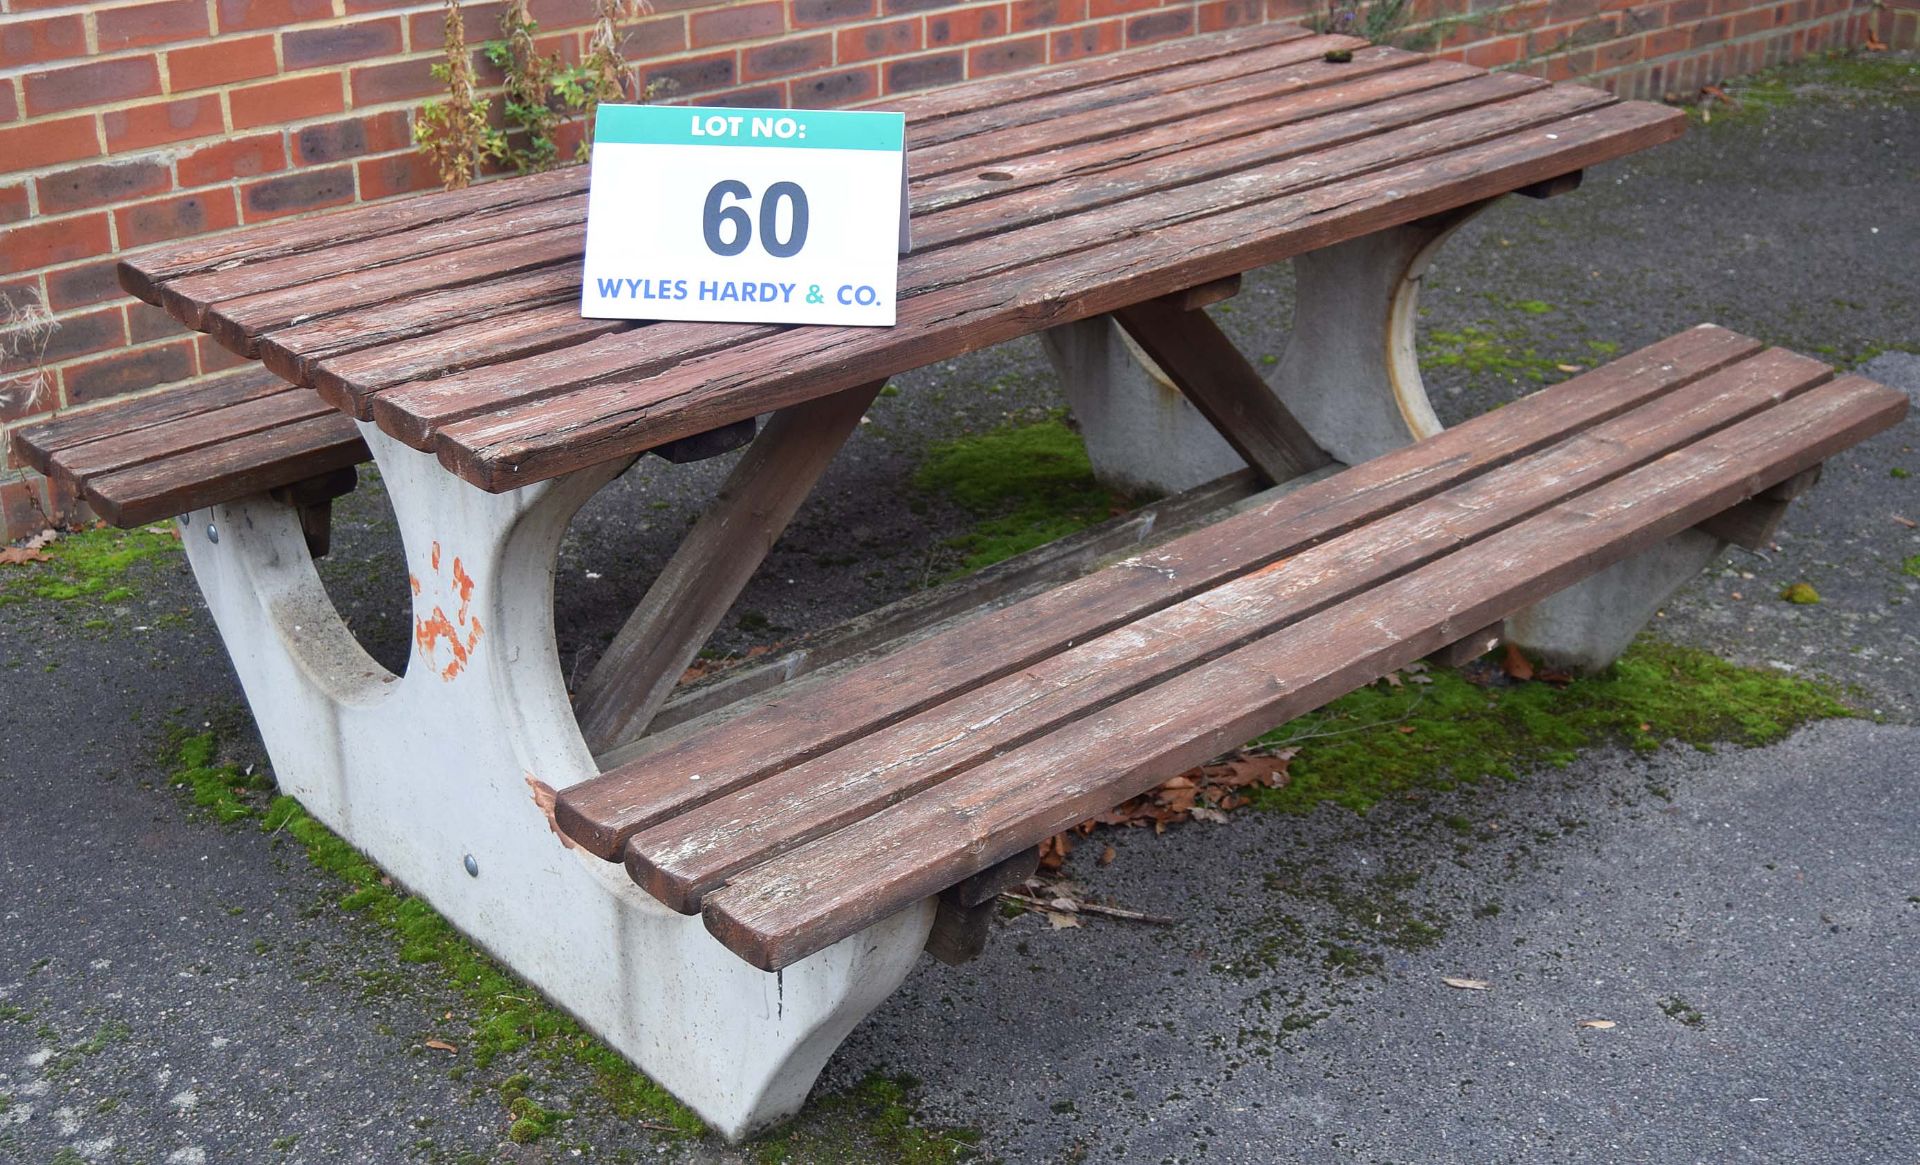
[414, 413]
[189, 299]
[296, 350]
[682, 858]
[603, 812]
[974, 98]
[237, 323]
[142, 275]
[1121, 98]
[1234, 398]
[36, 442]
[351, 381]
[184, 436]
[805, 900]
[1196, 114]
[204, 477]
[1185, 246]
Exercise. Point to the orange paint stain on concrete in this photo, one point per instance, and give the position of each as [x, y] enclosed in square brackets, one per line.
[461, 632]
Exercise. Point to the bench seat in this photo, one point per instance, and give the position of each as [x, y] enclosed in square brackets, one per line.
[152, 457]
[832, 803]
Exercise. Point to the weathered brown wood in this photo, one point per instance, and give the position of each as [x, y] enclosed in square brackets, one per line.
[1206, 295]
[982, 888]
[520, 444]
[313, 497]
[1753, 523]
[1793, 487]
[1468, 648]
[602, 813]
[959, 932]
[1212, 374]
[35, 443]
[179, 438]
[680, 859]
[798, 903]
[713, 565]
[222, 473]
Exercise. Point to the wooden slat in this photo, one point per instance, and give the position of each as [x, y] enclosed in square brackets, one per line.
[174, 485]
[713, 564]
[803, 901]
[184, 436]
[602, 813]
[35, 443]
[682, 858]
[1181, 247]
[1212, 374]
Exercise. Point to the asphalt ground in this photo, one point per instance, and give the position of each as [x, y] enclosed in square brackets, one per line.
[174, 990]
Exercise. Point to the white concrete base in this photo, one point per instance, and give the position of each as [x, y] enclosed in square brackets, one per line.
[434, 774]
[1142, 434]
[1586, 627]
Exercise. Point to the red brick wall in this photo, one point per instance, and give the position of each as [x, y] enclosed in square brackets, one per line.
[132, 122]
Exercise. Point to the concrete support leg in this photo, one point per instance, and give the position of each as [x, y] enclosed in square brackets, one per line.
[1587, 626]
[444, 776]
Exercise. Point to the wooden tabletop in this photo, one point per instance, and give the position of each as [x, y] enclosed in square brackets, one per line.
[452, 320]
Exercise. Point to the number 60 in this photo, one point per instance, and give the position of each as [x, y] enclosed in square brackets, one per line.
[715, 214]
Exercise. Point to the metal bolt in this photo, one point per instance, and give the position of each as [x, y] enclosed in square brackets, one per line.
[473, 867]
[213, 532]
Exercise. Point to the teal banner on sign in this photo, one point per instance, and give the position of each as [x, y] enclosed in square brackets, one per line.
[662, 125]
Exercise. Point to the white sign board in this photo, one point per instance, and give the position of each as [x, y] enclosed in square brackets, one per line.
[786, 216]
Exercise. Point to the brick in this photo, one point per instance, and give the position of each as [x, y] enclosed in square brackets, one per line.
[309, 48]
[562, 13]
[735, 22]
[899, 7]
[13, 203]
[398, 174]
[162, 122]
[1089, 40]
[179, 217]
[23, 509]
[925, 72]
[1157, 26]
[428, 30]
[1230, 14]
[297, 192]
[214, 358]
[1667, 41]
[36, 42]
[813, 13]
[9, 104]
[784, 57]
[1493, 54]
[236, 15]
[764, 97]
[878, 40]
[1006, 56]
[1028, 15]
[333, 140]
[694, 75]
[71, 287]
[395, 81]
[836, 89]
[94, 83]
[967, 24]
[84, 334]
[231, 59]
[100, 184]
[245, 157]
[652, 39]
[1099, 8]
[150, 24]
[128, 371]
[147, 323]
[293, 99]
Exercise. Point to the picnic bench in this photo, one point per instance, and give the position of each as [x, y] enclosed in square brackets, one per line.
[721, 882]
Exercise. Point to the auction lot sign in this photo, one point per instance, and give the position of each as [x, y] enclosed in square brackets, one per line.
[788, 216]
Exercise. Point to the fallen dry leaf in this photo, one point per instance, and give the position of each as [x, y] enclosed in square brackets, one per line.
[20, 556]
[1570, 367]
[1107, 855]
[543, 800]
[1466, 984]
[1599, 1024]
[1062, 920]
[1909, 523]
[1516, 664]
[441, 1046]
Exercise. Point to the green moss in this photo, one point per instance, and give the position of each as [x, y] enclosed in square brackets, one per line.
[1801, 594]
[1832, 78]
[94, 564]
[1898, 474]
[1678, 1008]
[504, 1014]
[1026, 485]
[871, 1122]
[1911, 566]
[1383, 741]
